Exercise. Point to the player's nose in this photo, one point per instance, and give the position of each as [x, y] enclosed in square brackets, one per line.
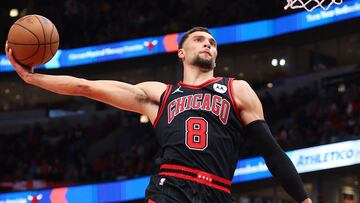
[207, 44]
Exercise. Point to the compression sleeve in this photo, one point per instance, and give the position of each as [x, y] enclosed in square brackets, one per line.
[276, 160]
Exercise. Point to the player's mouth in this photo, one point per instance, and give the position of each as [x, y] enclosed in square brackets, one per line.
[206, 52]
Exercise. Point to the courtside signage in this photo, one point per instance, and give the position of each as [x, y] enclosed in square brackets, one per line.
[305, 160]
[224, 35]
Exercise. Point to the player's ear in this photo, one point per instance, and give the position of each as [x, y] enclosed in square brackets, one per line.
[181, 54]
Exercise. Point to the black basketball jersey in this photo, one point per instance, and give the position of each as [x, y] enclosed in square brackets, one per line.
[198, 126]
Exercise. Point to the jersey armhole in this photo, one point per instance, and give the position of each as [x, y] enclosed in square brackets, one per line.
[232, 97]
[163, 99]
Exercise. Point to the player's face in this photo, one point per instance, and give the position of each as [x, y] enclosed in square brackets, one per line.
[199, 49]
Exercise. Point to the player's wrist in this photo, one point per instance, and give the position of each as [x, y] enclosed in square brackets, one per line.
[28, 76]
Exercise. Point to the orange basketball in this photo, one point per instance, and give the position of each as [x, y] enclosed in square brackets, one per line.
[33, 39]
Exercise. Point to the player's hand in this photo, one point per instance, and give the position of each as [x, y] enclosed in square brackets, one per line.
[22, 70]
[308, 200]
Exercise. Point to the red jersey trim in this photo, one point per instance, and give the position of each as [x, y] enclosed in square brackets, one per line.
[198, 180]
[197, 172]
[197, 87]
[232, 97]
[162, 105]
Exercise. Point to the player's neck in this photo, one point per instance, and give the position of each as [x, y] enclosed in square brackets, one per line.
[197, 76]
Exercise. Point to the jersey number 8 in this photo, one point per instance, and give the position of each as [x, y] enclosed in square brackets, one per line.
[196, 135]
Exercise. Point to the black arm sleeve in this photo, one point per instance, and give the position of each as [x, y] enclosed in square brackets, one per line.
[276, 160]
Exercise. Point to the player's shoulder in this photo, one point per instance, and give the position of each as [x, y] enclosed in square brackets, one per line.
[244, 94]
[241, 85]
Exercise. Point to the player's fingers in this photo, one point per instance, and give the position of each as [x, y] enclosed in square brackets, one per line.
[9, 54]
[6, 46]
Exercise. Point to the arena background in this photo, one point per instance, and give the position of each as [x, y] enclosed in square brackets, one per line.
[304, 67]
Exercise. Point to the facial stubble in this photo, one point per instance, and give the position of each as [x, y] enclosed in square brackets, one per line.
[207, 64]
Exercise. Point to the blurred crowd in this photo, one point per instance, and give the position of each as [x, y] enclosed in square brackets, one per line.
[83, 22]
[60, 152]
[308, 117]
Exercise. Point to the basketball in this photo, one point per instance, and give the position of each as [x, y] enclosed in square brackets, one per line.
[33, 39]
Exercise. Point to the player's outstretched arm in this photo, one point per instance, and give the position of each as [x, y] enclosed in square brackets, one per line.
[142, 98]
[258, 132]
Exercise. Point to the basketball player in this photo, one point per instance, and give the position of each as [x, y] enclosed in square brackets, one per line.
[198, 123]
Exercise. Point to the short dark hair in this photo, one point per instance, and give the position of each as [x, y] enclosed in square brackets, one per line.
[187, 33]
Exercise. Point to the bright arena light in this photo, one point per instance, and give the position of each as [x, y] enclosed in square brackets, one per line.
[282, 62]
[274, 62]
[144, 119]
[342, 88]
[14, 12]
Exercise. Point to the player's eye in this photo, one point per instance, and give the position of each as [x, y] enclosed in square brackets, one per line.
[213, 43]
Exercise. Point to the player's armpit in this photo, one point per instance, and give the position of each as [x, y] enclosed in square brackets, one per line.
[247, 102]
[153, 91]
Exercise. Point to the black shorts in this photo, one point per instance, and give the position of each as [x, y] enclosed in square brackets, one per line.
[165, 189]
